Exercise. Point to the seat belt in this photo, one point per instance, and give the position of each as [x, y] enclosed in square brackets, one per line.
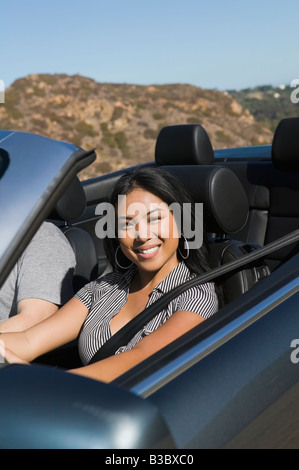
[128, 331]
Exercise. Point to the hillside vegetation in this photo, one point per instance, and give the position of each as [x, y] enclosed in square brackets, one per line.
[122, 121]
[268, 104]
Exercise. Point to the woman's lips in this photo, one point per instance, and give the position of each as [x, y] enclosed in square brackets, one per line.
[148, 252]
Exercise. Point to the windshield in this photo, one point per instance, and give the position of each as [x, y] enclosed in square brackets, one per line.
[33, 169]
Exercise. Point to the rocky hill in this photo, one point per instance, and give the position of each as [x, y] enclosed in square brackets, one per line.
[122, 121]
[269, 104]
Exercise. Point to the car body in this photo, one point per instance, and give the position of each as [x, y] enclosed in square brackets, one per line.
[229, 383]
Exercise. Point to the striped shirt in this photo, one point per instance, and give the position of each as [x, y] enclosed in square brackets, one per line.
[106, 296]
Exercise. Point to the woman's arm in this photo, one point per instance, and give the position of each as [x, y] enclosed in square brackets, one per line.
[30, 312]
[60, 328]
[114, 366]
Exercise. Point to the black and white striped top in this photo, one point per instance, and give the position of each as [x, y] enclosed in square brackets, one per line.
[106, 296]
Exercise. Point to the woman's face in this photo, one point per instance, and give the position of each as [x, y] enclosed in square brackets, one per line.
[147, 231]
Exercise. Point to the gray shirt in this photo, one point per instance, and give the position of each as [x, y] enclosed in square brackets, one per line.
[44, 271]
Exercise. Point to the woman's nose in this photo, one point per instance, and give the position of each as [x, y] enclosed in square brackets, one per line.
[142, 230]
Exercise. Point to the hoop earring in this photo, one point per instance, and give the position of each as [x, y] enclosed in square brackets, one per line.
[187, 248]
[117, 263]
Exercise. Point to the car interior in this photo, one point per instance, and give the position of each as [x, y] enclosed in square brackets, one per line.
[247, 203]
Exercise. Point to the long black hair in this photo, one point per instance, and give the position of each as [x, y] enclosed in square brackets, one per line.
[170, 190]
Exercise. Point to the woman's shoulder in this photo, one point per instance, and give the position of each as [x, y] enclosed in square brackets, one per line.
[201, 290]
[103, 285]
[201, 299]
[110, 279]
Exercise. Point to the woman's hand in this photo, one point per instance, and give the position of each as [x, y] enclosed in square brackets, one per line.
[9, 356]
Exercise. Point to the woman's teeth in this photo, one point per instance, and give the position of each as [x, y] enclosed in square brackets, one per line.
[150, 250]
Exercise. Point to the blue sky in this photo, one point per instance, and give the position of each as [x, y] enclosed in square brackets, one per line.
[211, 44]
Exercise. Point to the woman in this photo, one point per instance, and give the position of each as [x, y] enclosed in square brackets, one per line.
[149, 257]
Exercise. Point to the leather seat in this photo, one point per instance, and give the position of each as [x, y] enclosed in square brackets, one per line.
[272, 188]
[283, 187]
[186, 144]
[69, 208]
[225, 212]
[187, 153]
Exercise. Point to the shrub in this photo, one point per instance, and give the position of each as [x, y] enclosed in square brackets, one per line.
[117, 113]
[158, 116]
[103, 167]
[150, 134]
[86, 129]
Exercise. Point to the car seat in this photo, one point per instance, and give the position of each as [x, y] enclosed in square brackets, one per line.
[225, 211]
[70, 207]
[272, 188]
[186, 144]
[283, 187]
[225, 204]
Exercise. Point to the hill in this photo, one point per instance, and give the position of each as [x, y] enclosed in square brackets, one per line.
[268, 104]
[122, 121]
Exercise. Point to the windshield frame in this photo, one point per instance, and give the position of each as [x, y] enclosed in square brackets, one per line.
[39, 169]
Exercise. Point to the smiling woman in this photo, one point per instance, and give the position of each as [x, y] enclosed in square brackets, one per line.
[150, 238]
[155, 259]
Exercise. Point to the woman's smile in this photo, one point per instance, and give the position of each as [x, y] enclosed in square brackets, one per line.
[146, 253]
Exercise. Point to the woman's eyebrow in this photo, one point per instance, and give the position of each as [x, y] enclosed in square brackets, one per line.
[155, 210]
[150, 212]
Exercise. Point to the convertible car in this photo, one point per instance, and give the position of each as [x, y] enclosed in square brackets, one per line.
[232, 381]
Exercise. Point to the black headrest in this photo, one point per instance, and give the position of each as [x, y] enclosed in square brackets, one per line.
[285, 146]
[225, 204]
[187, 144]
[72, 203]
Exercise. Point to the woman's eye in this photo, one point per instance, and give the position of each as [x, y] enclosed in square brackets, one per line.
[155, 218]
[126, 225]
